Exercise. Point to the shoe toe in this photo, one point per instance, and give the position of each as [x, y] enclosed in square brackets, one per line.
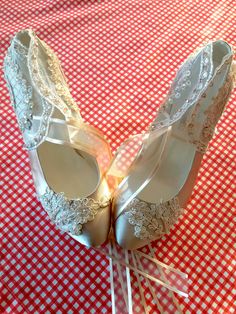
[95, 232]
[124, 233]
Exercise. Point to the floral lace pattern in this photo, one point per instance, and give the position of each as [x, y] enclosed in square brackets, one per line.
[56, 98]
[22, 71]
[151, 220]
[22, 96]
[180, 85]
[22, 102]
[60, 84]
[182, 81]
[213, 114]
[70, 215]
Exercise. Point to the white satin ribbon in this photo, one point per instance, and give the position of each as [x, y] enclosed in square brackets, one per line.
[145, 268]
[80, 136]
[175, 280]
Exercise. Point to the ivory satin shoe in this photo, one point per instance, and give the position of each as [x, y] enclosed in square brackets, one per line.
[160, 179]
[68, 157]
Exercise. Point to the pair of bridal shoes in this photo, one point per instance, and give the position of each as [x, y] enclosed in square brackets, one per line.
[71, 160]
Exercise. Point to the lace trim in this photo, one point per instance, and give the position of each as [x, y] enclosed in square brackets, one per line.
[56, 72]
[150, 220]
[181, 82]
[57, 77]
[70, 215]
[22, 103]
[21, 94]
[213, 114]
[20, 49]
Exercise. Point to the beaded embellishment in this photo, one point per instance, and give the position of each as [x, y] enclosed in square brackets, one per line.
[151, 220]
[179, 86]
[213, 114]
[192, 104]
[22, 104]
[70, 215]
[22, 71]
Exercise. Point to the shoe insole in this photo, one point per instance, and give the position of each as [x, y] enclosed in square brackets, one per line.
[67, 170]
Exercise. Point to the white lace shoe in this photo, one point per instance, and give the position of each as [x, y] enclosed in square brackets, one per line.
[166, 160]
[68, 157]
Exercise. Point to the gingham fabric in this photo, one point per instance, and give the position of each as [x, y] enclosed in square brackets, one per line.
[119, 57]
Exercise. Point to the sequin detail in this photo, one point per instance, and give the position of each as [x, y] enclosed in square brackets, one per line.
[70, 215]
[22, 102]
[182, 82]
[23, 71]
[16, 71]
[56, 77]
[213, 114]
[199, 133]
[60, 84]
[150, 220]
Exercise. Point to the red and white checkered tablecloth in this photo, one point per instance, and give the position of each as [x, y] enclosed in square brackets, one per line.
[119, 57]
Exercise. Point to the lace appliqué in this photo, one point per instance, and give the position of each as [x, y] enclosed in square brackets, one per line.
[213, 114]
[70, 215]
[60, 84]
[150, 220]
[62, 98]
[181, 83]
[22, 102]
[21, 94]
